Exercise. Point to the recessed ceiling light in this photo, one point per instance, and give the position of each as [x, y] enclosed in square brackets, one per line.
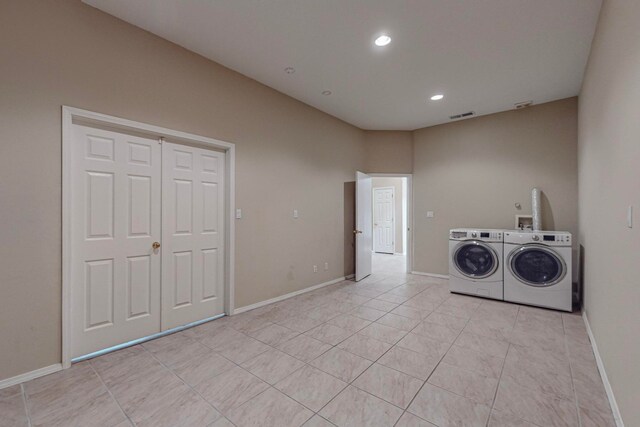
[437, 97]
[326, 92]
[289, 70]
[383, 40]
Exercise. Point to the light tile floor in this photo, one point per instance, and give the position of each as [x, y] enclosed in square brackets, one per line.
[393, 349]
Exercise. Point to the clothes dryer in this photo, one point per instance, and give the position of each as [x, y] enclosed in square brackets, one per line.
[475, 262]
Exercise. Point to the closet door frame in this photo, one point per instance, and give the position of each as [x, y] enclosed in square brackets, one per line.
[71, 116]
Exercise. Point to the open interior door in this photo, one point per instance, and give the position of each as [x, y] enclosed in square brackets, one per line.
[363, 231]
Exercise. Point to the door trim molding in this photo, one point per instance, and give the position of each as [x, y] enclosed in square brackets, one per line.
[90, 117]
[409, 212]
[373, 216]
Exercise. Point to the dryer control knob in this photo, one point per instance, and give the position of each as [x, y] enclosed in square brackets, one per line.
[474, 234]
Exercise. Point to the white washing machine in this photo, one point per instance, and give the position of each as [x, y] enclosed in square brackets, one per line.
[537, 268]
[475, 262]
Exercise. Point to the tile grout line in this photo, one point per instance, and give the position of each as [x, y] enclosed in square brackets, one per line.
[495, 394]
[264, 391]
[422, 319]
[573, 384]
[404, 411]
[27, 412]
[305, 363]
[373, 362]
[324, 303]
[238, 366]
[571, 369]
[111, 394]
[331, 345]
[271, 347]
[504, 362]
[194, 390]
[438, 364]
[548, 394]
[382, 355]
[270, 386]
[222, 415]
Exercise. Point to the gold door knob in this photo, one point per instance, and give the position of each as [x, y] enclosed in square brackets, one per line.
[156, 245]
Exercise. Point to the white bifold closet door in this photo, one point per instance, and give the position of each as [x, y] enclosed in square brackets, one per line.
[115, 290]
[147, 237]
[192, 234]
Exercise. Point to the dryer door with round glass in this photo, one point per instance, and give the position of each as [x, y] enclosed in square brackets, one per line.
[475, 259]
[537, 266]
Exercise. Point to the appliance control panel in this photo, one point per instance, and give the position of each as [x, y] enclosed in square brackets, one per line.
[476, 234]
[550, 238]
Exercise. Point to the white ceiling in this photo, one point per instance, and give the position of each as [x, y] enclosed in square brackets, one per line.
[483, 55]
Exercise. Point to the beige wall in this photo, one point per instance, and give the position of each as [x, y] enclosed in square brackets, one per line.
[66, 53]
[609, 165]
[396, 183]
[471, 173]
[388, 151]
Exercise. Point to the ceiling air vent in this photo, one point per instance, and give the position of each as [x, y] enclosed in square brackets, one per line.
[463, 115]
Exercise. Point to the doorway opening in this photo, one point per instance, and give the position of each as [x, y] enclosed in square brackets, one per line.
[389, 225]
[383, 223]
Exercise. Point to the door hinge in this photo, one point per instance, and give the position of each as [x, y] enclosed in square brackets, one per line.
[161, 140]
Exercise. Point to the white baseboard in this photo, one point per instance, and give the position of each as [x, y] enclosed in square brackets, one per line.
[439, 276]
[603, 374]
[31, 375]
[287, 296]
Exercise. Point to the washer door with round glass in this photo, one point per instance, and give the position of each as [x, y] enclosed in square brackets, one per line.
[537, 265]
[475, 259]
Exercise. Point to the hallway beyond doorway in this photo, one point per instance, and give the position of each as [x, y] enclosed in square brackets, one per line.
[388, 263]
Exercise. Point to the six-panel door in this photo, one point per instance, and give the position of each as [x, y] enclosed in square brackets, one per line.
[130, 193]
[383, 220]
[192, 234]
[115, 295]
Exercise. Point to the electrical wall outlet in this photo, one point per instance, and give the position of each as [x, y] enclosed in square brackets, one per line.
[315, 268]
[326, 265]
[295, 213]
[238, 213]
[429, 214]
[630, 217]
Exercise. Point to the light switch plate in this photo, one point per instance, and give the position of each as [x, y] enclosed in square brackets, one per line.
[429, 214]
[295, 213]
[630, 217]
[238, 213]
